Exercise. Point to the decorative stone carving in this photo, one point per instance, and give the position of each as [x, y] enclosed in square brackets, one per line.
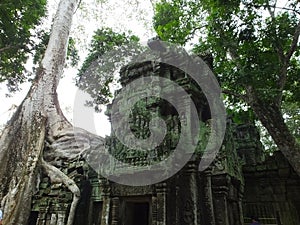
[222, 195]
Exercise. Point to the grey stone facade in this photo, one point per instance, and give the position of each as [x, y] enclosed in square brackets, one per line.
[240, 182]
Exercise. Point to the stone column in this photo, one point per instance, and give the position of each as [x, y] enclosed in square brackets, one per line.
[240, 203]
[61, 218]
[43, 212]
[154, 210]
[105, 186]
[208, 200]
[188, 203]
[177, 222]
[220, 193]
[161, 190]
[53, 220]
[115, 211]
[41, 218]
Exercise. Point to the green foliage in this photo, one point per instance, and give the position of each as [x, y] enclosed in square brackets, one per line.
[254, 45]
[242, 116]
[172, 21]
[108, 51]
[17, 21]
[245, 48]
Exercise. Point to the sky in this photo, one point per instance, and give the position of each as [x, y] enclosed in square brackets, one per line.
[126, 15]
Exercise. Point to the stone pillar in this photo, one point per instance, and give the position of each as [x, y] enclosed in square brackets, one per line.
[188, 203]
[106, 201]
[161, 190]
[115, 211]
[154, 210]
[240, 203]
[41, 218]
[220, 193]
[53, 219]
[61, 218]
[208, 199]
[106, 209]
[177, 222]
[43, 212]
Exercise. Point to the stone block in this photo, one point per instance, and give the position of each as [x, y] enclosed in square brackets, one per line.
[284, 172]
[267, 197]
[271, 165]
[279, 188]
[261, 167]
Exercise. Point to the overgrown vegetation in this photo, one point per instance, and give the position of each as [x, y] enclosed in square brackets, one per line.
[255, 50]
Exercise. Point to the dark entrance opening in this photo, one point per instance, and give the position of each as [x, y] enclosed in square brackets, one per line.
[137, 213]
[33, 218]
[97, 212]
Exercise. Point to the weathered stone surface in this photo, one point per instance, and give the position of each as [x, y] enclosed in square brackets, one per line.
[272, 192]
[241, 182]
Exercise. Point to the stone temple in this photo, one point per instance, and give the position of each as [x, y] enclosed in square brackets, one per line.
[241, 182]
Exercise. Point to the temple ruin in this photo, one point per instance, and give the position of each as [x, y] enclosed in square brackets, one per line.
[241, 182]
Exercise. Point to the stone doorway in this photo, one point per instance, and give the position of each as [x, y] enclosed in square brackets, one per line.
[137, 213]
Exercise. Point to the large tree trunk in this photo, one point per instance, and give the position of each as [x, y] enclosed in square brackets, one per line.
[39, 120]
[272, 119]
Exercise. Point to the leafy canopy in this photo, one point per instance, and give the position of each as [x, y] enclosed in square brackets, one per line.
[254, 45]
[21, 37]
[109, 51]
[17, 20]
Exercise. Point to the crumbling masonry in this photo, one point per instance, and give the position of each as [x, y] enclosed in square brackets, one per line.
[241, 181]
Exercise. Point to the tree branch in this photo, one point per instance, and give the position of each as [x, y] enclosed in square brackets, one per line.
[294, 43]
[23, 46]
[273, 6]
[153, 5]
[272, 13]
[288, 9]
[239, 96]
[78, 5]
[283, 72]
[5, 48]
[278, 47]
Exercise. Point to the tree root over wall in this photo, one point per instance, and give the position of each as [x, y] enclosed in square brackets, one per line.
[40, 153]
[38, 135]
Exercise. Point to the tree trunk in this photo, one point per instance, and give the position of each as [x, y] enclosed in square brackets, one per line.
[39, 120]
[272, 119]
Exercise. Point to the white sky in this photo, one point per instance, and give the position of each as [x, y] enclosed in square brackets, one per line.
[121, 16]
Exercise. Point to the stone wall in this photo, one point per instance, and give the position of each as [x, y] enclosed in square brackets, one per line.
[238, 184]
[272, 191]
[51, 203]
